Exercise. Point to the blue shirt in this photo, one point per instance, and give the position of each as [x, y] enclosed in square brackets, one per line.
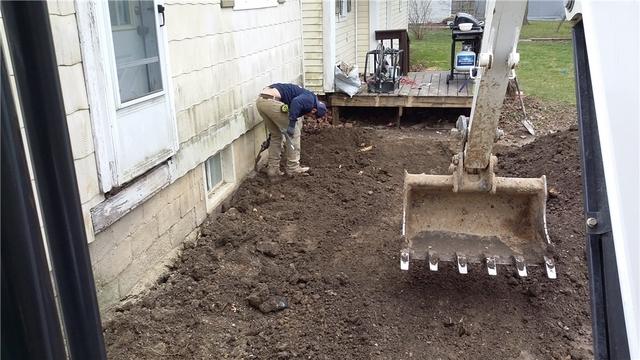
[300, 100]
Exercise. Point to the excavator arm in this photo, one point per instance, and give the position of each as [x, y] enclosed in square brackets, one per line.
[473, 216]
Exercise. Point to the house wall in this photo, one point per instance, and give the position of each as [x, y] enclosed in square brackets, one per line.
[313, 38]
[545, 10]
[219, 60]
[395, 15]
[346, 36]
[391, 15]
[439, 10]
[363, 34]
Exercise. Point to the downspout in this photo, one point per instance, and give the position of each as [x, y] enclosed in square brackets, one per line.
[304, 78]
[328, 44]
[355, 13]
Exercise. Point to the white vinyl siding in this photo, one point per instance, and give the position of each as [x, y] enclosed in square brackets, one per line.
[346, 35]
[313, 44]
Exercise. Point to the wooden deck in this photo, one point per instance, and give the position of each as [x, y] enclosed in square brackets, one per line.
[428, 89]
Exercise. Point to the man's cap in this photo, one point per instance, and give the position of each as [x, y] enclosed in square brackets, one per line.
[321, 109]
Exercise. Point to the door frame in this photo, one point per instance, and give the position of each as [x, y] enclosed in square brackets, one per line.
[99, 64]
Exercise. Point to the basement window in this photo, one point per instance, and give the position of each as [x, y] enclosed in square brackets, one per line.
[219, 177]
[213, 172]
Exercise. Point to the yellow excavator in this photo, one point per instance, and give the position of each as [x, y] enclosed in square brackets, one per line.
[472, 215]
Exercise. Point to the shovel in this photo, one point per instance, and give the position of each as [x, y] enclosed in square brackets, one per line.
[265, 145]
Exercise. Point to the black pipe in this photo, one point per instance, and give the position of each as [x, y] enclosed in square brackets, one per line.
[607, 313]
[28, 305]
[36, 71]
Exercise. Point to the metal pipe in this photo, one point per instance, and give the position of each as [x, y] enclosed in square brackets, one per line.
[30, 41]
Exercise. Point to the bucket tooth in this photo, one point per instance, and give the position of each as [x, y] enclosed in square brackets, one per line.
[520, 265]
[492, 269]
[433, 262]
[551, 267]
[404, 260]
[462, 263]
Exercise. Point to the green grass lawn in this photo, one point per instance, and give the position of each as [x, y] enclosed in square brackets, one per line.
[545, 70]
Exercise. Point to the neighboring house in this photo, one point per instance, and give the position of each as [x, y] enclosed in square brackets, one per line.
[439, 10]
[546, 10]
[161, 116]
[343, 30]
[537, 9]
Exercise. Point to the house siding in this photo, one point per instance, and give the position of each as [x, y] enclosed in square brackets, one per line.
[394, 15]
[363, 34]
[218, 60]
[313, 42]
[346, 36]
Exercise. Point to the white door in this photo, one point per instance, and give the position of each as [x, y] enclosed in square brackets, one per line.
[143, 131]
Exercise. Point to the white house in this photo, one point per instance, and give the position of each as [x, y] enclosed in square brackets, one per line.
[344, 30]
[160, 109]
[159, 97]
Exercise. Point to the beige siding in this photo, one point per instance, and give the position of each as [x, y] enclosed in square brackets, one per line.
[220, 60]
[346, 36]
[313, 42]
[363, 33]
[393, 14]
[397, 14]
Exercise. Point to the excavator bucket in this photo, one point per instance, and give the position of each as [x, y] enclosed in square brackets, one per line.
[505, 227]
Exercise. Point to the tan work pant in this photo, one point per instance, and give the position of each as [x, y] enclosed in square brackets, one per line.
[277, 121]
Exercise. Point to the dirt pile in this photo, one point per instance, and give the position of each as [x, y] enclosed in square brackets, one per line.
[328, 244]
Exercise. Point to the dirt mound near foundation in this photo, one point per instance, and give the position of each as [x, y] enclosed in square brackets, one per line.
[329, 245]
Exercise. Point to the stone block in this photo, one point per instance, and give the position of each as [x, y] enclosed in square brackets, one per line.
[168, 216]
[152, 207]
[108, 295]
[183, 227]
[146, 264]
[144, 237]
[128, 224]
[116, 259]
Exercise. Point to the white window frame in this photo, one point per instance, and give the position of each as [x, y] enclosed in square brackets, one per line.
[343, 9]
[254, 4]
[101, 79]
[127, 26]
[222, 190]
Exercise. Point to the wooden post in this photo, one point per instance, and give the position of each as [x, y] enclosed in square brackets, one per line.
[335, 113]
[399, 116]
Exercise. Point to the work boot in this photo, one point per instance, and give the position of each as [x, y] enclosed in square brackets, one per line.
[299, 170]
[273, 172]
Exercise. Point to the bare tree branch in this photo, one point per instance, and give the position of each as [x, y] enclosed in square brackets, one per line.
[419, 14]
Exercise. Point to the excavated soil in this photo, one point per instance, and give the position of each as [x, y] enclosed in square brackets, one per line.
[327, 245]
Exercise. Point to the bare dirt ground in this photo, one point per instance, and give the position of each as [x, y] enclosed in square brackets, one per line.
[327, 246]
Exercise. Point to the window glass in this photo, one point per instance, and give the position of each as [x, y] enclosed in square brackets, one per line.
[213, 171]
[135, 44]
